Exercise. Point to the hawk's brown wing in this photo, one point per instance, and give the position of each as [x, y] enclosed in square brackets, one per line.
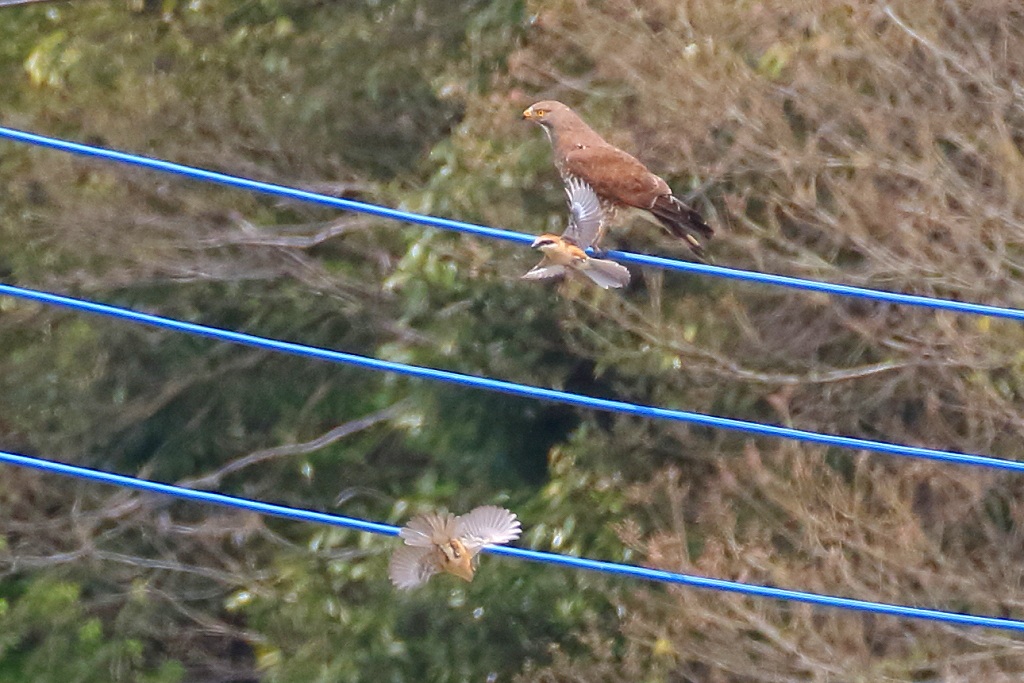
[616, 175]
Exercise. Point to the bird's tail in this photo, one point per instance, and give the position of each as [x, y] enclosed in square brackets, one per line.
[682, 221]
[606, 273]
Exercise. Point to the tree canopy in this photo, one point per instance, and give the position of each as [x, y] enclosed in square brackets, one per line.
[871, 144]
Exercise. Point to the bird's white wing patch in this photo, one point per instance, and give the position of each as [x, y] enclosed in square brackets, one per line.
[543, 272]
[585, 214]
[411, 567]
[487, 524]
[429, 529]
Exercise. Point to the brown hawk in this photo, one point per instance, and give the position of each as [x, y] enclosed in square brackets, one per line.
[618, 178]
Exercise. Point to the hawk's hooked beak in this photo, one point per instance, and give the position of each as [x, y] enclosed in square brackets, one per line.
[528, 114]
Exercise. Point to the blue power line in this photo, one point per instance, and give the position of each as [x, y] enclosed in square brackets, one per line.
[507, 235]
[514, 388]
[520, 553]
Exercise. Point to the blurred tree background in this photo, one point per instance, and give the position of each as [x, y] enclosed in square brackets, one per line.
[877, 144]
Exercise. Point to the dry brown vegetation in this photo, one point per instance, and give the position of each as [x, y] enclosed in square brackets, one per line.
[877, 144]
[867, 143]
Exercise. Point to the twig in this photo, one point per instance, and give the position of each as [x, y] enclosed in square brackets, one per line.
[326, 439]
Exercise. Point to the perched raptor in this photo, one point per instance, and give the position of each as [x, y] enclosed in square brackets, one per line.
[565, 252]
[441, 542]
[618, 178]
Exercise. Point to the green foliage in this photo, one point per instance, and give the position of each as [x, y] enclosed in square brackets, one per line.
[816, 147]
[47, 635]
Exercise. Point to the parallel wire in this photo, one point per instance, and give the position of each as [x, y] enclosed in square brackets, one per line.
[631, 571]
[514, 388]
[507, 235]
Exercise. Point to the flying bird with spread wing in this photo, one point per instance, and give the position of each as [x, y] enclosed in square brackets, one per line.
[438, 542]
[565, 253]
[618, 178]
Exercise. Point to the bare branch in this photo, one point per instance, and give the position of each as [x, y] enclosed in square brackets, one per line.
[213, 479]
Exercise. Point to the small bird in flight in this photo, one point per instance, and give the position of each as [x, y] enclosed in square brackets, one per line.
[618, 178]
[566, 252]
[438, 542]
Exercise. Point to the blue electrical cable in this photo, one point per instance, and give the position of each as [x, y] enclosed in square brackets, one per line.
[507, 235]
[520, 553]
[514, 388]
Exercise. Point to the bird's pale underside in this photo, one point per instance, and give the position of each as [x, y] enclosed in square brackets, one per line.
[438, 542]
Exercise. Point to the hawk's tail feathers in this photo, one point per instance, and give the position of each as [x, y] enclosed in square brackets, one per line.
[682, 221]
[606, 273]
